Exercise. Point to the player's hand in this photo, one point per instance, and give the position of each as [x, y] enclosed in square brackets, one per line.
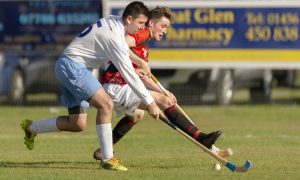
[174, 100]
[154, 110]
[142, 74]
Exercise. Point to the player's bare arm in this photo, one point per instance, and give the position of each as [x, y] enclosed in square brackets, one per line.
[151, 85]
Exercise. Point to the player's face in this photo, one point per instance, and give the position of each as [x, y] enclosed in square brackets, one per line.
[134, 25]
[159, 28]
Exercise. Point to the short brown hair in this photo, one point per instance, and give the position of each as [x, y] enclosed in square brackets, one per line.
[160, 12]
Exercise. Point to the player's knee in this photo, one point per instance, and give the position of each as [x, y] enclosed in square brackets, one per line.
[167, 102]
[106, 106]
[77, 122]
[102, 102]
[109, 105]
[138, 115]
[80, 125]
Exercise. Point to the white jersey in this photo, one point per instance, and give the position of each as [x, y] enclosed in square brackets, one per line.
[105, 41]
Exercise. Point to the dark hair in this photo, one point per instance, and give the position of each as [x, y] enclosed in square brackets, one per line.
[160, 12]
[134, 9]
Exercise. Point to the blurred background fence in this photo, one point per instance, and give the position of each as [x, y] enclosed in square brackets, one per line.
[216, 52]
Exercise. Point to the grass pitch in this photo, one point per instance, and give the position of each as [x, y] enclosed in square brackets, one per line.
[268, 135]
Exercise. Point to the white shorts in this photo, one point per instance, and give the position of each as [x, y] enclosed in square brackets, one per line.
[125, 100]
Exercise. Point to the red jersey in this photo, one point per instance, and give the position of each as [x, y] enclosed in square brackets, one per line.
[142, 38]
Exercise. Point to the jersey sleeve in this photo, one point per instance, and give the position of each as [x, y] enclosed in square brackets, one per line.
[118, 53]
[142, 36]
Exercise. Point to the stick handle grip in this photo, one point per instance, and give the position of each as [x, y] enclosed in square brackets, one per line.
[154, 78]
[167, 94]
[164, 119]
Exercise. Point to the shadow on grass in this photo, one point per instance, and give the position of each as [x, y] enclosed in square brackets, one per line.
[49, 164]
[81, 165]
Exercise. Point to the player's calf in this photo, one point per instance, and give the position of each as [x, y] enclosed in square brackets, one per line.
[122, 128]
[184, 124]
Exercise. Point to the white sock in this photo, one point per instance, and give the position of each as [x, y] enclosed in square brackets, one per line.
[104, 132]
[45, 125]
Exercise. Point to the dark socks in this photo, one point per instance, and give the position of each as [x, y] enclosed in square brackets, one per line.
[183, 123]
[123, 126]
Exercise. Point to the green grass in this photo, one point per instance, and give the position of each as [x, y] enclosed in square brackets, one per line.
[268, 135]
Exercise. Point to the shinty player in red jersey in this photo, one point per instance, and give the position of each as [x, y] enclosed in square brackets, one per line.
[124, 98]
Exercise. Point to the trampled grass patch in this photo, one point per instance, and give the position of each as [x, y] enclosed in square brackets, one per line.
[268, 135]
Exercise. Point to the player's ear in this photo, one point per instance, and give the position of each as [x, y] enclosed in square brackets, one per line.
[151, 22]
[129, 19]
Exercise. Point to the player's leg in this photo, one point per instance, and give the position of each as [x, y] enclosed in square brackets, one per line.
[77, 86]
[126, 124]
[72, 123]
[102, 102]
[167, 102]
[126, 102]
[76, 121]
[104, 105]
[168, 106]
[72, 97]
[121, 129]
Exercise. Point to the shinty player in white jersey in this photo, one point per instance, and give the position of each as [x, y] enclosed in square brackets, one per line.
[100, 42]
[127, 103]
